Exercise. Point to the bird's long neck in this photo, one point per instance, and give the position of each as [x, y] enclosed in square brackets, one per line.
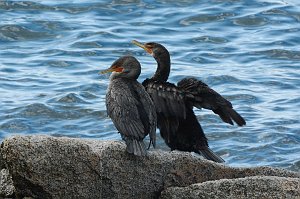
[163, 67]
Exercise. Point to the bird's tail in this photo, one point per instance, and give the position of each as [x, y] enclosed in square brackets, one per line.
[136, 147]
[207, 153]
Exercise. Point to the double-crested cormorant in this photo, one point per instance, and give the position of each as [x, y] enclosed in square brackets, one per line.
[129, 105]
[177, 122]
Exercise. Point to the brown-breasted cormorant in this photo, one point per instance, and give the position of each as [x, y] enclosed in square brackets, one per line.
[177, 121]
[130, 106]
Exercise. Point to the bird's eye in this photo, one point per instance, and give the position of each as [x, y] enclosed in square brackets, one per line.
[149, 45]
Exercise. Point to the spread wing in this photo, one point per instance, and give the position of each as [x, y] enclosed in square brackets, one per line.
[126, 110]
[200, 95]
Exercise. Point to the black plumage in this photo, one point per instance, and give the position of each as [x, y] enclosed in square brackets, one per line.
[130, 106]
[177, 122]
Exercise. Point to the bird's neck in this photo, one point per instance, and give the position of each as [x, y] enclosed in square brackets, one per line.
[163, 68]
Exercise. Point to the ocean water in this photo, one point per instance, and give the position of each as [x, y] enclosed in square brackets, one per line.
[248, 51]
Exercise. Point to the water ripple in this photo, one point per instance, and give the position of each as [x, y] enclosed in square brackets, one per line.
[94, 44]
[15, 125]
[38, 110]
[60, 63]
[250, 21]
[20, 33]
[280, 54]
[22, 5]
[215, 80]
[209, 39]
[71, 98]
[205, 18]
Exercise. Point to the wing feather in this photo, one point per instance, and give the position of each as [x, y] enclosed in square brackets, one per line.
[200, 95]
[168, 99]
[147, 109]
[122, 107]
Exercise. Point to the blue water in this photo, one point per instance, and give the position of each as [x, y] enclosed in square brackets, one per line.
[51, 52]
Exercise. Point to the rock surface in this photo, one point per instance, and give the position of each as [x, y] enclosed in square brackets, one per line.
[240, 188]
[6, 184]
[49, 167]
[1, 161]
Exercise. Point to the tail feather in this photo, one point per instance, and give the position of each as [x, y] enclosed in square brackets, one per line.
[210, 155]
[133, 146]
[136, 147]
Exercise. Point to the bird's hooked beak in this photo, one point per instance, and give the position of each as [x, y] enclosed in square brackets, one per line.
[113, 68]
[139, 44]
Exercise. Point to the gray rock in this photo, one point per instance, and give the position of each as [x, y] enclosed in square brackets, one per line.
[1, 160]
[49, 167]
[241, 188]
[6, 184]
[187, 170]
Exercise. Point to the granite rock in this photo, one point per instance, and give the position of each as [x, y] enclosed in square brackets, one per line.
[50, 167]
[240, 188]
[6, 184]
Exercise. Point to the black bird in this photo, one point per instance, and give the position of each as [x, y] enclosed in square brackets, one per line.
[130, 106]
[177, 122]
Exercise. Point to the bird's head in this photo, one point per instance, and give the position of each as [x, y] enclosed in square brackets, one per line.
[126, 66]
[155, 49]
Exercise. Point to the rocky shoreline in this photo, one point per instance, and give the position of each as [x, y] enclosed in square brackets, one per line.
[51, 167]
